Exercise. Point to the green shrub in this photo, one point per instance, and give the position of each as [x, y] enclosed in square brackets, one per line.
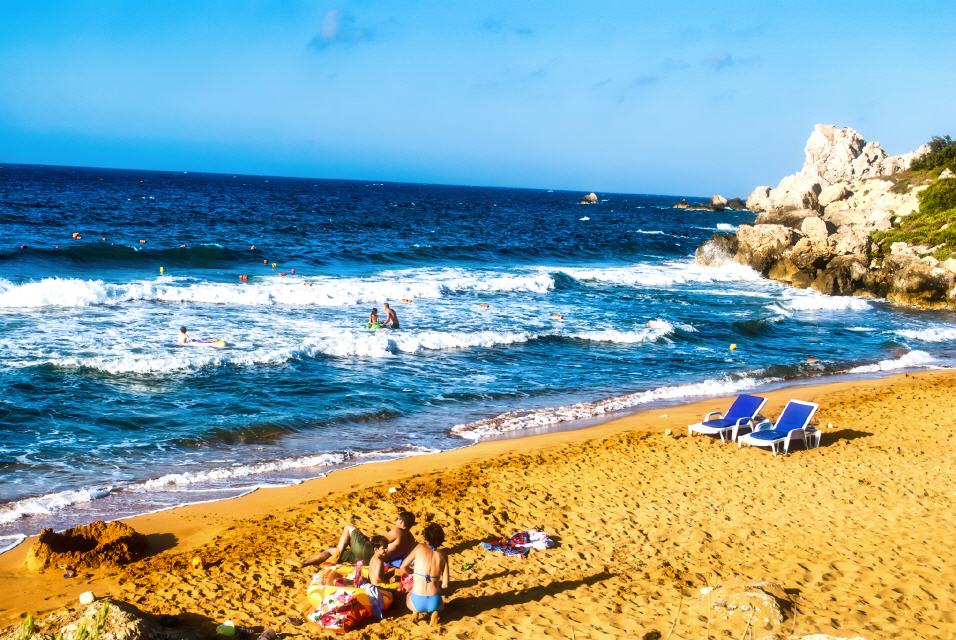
[27, 629]
[934, 225]
[942, 153]
[939, 196]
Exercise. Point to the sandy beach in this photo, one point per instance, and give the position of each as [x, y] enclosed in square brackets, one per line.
[858, 533]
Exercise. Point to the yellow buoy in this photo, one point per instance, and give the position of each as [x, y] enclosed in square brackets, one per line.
[161, 270]
[275, 264]
[733, 347]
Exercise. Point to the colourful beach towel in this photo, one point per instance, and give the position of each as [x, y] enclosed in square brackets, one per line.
[521, 543]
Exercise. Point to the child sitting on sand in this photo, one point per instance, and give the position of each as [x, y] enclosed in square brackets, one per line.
[430, 574]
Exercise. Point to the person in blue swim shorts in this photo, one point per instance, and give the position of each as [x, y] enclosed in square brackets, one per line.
[429, 567]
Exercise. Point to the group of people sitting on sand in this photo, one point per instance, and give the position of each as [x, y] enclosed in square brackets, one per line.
[395, 554]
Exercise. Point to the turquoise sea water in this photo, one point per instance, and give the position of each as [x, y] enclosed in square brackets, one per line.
[520, 309]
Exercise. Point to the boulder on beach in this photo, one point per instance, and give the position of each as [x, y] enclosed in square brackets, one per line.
[90, 546]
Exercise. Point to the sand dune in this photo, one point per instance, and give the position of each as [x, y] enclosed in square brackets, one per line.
[858, 533]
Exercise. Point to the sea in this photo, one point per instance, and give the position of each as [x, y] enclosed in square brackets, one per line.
[521, 310]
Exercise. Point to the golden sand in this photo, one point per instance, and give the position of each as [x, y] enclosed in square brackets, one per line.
[858, 532]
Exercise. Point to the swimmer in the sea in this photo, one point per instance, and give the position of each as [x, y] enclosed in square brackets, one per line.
[373, 321]
[183, 336]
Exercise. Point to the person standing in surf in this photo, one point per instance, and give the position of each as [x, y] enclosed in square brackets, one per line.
[391, 320]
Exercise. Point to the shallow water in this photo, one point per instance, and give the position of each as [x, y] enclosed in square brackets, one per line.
[104, 415]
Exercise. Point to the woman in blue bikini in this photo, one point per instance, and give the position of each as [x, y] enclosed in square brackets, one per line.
[431, 574]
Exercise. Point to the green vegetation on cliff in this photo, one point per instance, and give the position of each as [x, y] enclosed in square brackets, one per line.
[942, 153]
[934, 225]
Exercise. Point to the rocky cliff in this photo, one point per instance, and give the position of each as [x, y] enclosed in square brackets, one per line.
[815, 228]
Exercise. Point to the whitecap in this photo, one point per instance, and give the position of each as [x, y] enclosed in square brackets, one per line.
[49, 503]
[536, 418]
[930, 334]
[910, 360]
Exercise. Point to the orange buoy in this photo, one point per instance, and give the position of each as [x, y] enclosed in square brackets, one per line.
[557, 316]
[141, 241]
[407, 300]
[483, 305]
[264, 261]
[811, 360]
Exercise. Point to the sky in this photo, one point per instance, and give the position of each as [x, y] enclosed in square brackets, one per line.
[638, 97]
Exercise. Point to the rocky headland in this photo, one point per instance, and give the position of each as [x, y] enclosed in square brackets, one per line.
[855, 221]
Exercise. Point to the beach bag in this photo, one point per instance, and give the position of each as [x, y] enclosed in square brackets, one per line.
[340, 610]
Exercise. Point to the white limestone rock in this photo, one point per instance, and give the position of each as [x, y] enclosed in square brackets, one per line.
[832, 193]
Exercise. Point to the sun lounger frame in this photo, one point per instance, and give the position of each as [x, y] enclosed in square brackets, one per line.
[784, 438]
[733, 430]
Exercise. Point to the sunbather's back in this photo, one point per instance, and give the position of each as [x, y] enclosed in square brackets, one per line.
[428, 570]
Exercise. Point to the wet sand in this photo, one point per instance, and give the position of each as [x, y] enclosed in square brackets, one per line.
[858, 532]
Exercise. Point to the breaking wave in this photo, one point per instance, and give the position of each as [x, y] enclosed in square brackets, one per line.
[537, 418]
[932, 334]
[911, 360]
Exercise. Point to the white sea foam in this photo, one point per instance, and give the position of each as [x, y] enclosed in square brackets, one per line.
[723, 226]
[930, 334]
[649, 233]
[317, 291]
[669, 273]
[807, 300]
[911, 360]
[49, 503]
[531, 419]
[188, 478]
[9, 542]
[655, 330]
[335, 343]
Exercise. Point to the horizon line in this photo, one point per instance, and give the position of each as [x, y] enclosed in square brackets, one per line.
[360, 180]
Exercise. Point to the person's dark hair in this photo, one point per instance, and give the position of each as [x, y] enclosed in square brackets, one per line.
[374, 310]
[182, 329]
[378, 542]
[386, 305]
[434, 534]
[407, 518]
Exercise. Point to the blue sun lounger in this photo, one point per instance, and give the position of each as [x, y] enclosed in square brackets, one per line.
[740, 415]
[791, 426]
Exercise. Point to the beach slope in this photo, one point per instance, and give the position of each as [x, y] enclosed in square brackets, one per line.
[856, 534]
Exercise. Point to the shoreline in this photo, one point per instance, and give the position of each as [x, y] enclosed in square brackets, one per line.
[362, 491]
[606, 409]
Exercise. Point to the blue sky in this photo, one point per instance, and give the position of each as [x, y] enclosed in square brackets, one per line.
[695, 98]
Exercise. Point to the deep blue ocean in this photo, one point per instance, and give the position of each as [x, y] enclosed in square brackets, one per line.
[520, 309]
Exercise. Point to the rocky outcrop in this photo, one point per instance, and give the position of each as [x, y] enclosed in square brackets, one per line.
[590, 198]
[814, 229]
[87, 547]
[717, 203]
[838, 163]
